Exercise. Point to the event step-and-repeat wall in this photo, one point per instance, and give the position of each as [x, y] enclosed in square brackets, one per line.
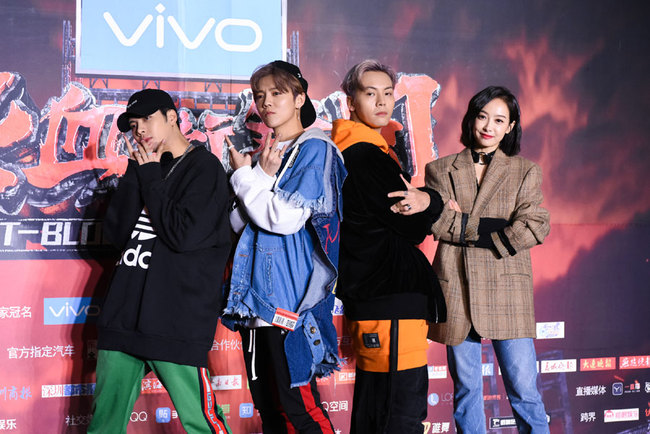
[71, 67]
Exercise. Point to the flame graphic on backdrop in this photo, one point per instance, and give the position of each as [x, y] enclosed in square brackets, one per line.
[546, 97]
[581, 195]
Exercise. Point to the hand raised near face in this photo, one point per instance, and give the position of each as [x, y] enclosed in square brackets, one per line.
[237, 159]
[140, 155]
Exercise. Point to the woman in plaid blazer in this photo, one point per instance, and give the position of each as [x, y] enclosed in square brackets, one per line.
[483, 263]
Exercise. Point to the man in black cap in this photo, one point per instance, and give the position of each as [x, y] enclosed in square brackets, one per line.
[169, 219]
[285, 266]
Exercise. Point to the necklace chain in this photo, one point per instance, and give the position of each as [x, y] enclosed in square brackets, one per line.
[187, 151]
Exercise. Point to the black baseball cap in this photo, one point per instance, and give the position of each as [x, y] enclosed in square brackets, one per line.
[307, 111]
[144, 103]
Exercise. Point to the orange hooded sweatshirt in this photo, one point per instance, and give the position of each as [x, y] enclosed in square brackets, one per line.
[346, 133]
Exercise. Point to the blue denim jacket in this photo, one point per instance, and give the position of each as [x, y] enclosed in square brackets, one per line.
[296, 272]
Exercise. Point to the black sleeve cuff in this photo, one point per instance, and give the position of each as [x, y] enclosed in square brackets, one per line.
[487, 225]
[435, 203]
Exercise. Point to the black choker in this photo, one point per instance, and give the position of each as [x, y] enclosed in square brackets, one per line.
[482, 158]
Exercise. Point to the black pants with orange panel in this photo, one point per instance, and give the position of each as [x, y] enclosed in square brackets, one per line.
[283, 409]
[390, 390]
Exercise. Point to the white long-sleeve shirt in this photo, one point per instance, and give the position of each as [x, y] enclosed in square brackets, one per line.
[261, 205]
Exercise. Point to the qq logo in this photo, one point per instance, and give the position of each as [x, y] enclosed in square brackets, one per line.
[69, 310]
[139, 416]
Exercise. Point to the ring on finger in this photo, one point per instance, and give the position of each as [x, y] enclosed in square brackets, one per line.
[408, 207]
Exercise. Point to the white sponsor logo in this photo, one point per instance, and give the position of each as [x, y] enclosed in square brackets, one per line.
[565, 365]
[622, 415]
[226, 382]
[437, 372]
[550, 330]
[507, 422]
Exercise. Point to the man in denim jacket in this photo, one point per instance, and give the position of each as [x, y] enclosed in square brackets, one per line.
[285, 265]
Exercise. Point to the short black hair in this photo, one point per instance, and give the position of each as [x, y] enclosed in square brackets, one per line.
[511, 143]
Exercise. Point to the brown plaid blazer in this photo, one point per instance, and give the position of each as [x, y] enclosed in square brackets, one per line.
[493, 294]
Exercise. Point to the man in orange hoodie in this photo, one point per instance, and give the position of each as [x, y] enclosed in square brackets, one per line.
[388, 288]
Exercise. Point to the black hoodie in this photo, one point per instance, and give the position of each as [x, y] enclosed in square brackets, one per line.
[165, 295]
[382, 273]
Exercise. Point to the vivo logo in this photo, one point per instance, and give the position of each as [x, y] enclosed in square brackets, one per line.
[180, 38]
[69, 310]
[182, 35]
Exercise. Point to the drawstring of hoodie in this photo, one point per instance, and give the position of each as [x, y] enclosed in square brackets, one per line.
[251, 349]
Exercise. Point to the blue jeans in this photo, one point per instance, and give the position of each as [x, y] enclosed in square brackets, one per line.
[517, 360]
